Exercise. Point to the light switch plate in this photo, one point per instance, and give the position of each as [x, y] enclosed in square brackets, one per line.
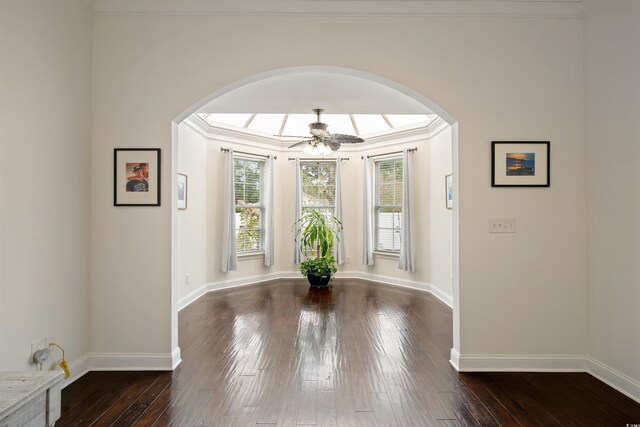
[502, 225]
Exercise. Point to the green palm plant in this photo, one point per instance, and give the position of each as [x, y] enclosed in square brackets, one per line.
[317, 233]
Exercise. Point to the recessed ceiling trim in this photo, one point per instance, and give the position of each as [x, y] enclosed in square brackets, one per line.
[284, 123]
[248, 138]
[386, 119]
[354, 124]
[246, 125]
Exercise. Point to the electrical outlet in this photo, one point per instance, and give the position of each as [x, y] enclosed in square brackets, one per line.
[348, 260]
[38, 344]
[187, 279]
[51, 339]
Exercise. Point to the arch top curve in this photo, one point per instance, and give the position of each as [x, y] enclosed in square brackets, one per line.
[321, 69]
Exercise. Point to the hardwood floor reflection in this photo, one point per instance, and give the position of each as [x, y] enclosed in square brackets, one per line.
[364, 354]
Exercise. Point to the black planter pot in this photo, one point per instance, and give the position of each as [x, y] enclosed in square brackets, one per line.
[319, 281]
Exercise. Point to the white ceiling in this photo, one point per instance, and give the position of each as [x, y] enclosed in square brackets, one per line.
[302, 92]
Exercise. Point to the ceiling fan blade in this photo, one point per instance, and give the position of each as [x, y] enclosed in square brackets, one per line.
[335, 146]
[298, 144]
[341, 138]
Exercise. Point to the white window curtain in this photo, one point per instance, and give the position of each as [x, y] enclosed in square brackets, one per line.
[340, 251]
[406, 261]
[367, 209]
[268, 243]
[297, 254]
[229, 254]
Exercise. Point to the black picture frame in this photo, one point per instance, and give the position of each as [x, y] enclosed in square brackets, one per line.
[520, 163]
[136, 176]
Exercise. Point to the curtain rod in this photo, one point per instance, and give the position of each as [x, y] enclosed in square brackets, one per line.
[226, 150]
[411, 150]
[320, 159]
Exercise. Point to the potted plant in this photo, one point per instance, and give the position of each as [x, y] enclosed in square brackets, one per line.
[317, 233]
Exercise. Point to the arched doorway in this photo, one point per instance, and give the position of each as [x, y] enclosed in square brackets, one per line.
[376, 82]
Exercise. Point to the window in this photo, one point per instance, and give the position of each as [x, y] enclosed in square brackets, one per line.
[319, 187]
[388, 205]
[248, 200]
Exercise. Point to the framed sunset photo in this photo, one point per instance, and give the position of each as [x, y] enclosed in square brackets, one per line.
[520, 164]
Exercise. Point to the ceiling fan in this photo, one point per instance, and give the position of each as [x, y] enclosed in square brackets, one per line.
[321, 140]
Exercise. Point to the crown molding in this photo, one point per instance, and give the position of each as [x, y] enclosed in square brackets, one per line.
[227, 135]
[355, 8]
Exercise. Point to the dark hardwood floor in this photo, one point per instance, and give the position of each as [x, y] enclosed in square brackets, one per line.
[362, 355]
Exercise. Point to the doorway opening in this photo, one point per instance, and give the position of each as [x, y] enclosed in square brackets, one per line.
[270, 96]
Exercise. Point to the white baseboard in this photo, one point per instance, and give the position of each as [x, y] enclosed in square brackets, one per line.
[251, 280]
[78, 369]
[463, 363]
[455, 359]
[176, 358]
[403, 283]
[519, 363]
[547, 363]
[232, 283]
[131, 361]
[122, 362]
[621, 382]
[473, 363]
[191, 297]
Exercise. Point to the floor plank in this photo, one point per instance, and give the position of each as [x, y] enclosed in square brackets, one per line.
[363, 354]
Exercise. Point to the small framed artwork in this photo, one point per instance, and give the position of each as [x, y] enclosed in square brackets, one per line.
[182, 191]
[520, 164]
[448, 191]
[136, 177]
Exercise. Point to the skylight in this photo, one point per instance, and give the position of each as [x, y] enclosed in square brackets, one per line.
[298, 124]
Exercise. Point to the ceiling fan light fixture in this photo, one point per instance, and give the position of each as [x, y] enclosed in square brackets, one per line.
[309, 148]
[324, 149]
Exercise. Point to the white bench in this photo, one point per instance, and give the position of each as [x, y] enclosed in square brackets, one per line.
[30, 399]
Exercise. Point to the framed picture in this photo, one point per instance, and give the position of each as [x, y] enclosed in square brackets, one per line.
[182, 191]
[520, 164]
[448, 191]
[136, 177]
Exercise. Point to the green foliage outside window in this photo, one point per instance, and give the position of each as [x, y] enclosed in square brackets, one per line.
[318, 190]
[248, 200]
[388, 208]
[319, 186]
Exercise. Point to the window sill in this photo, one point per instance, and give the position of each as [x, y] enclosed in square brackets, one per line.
[250, 255]
[387, 255]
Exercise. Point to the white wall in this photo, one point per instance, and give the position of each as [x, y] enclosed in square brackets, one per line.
[45, 174]
[193, 224]
[199, 230]
[501, 78]
[440, 218]
[612, 97]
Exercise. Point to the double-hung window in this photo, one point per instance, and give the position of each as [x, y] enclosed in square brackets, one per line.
[248, 202]
[388, 204]
[319, 187]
